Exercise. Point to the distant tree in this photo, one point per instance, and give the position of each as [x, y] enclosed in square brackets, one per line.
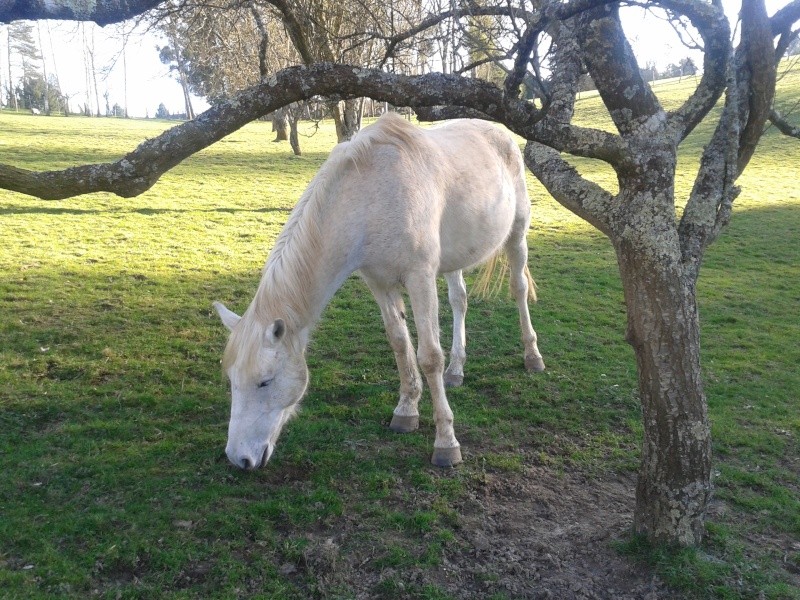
[44, 70]
[162, 112]
[29, 87]
[671, 70]
[649, 71]
[34, 92]
[687, 66]
[479, 40]
[280, 125]
[224, 45]
[90, 71]
[174, 56]
[21, 46]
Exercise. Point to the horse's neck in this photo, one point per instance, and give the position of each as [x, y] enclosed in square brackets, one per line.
[309, 262]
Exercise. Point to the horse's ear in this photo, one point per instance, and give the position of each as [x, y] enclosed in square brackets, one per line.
[276, 331]
[229, 318]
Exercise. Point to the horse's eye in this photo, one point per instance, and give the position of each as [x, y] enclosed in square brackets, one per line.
[265, 383]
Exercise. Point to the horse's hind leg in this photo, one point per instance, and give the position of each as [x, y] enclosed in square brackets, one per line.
[425, 304]
[457, 295]
[522, 289]
[406, 415]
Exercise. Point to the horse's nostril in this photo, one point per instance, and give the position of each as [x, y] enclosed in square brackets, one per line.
[246, 464]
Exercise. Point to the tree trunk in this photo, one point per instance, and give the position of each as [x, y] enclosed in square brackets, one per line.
[182, 76]
[347, 116]
[294, 141]
[12, 96]
[280, 125]
[187, 97]
[674, 484]
[44, 71]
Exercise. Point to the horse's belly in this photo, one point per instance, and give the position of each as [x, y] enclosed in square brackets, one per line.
[470, 237]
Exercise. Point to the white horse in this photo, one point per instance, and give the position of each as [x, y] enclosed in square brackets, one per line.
[400, 205]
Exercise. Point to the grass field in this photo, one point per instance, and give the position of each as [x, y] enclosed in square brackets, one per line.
[113, 410]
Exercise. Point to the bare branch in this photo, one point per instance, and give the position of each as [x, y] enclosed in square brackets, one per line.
[750, 90]
[713, 26]
[783, 125]
[710, 202]
[614, 69]
[783, 20]
[583, 197]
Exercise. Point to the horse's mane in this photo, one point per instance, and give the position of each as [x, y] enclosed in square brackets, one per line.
[293, 262]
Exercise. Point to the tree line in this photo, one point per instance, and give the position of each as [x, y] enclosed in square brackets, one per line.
[27, 83]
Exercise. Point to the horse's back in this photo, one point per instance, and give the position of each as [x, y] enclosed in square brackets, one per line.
[444, 198]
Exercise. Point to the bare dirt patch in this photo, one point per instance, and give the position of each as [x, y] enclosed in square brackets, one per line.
[540, 535]
[525, 534]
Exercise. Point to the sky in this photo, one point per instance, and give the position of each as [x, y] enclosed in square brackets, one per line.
[655, 41]
[150, 83]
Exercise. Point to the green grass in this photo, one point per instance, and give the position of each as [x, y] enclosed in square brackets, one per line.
[113, 410]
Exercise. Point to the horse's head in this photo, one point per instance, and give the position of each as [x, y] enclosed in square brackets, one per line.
[268, 375]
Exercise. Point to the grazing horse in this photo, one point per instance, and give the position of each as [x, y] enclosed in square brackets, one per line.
[401, 205]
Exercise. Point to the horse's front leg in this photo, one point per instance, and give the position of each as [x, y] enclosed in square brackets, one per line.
[425, 304]
[406, 415]
[457, 295]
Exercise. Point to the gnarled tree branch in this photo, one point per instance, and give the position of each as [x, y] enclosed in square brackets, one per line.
[783, 125]
[138, 170]
[102, 13]
[583, 197]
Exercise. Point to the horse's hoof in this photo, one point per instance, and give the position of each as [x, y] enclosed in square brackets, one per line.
[534, 364]
[446, 457]
[404, 424]
[453, 380]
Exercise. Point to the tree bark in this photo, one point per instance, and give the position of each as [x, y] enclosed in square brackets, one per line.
[280, 125]
[102, 13]
[294, 140]
[674, 485]
[347, 116]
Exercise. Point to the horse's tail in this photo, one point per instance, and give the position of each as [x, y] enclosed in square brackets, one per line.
[488, 283]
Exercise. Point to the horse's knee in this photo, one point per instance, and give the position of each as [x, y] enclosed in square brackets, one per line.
[398, 340]
[431, 360]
